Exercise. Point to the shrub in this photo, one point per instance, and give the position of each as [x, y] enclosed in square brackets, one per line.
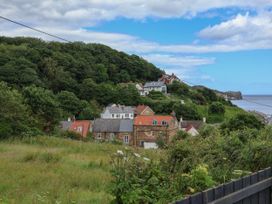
[71, 135]
[217, 108]
[243, 121]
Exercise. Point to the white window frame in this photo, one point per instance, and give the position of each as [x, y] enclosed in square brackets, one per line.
[79, 129]
[126, 139]
[164, 122]
[99, 136]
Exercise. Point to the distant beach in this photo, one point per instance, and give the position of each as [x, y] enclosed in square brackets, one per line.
[258, 103]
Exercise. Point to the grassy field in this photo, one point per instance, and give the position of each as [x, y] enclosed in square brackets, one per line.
[55, 170]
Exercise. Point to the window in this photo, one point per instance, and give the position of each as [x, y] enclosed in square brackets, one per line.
[126, 115]
[79, 129]
[99, 136]
[164, 122]
[126, 139]
[155, 122]
[112, 115]
[141, 143]
[118, 116]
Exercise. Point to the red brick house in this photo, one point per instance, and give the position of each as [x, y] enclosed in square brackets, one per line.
[148, 128]
[82, 127]
[144, 110]
[168, 79]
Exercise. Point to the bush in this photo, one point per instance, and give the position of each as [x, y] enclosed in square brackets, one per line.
[243, 121]
[71, 135]
[217, 108]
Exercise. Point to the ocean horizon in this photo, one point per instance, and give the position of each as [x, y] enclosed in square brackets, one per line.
[259, 103]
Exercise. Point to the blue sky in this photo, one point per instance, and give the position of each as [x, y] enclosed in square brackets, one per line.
[225, 45]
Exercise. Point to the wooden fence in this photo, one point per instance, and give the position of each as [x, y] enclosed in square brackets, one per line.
[253, 189]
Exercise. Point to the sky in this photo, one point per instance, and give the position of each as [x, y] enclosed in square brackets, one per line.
[222, 44]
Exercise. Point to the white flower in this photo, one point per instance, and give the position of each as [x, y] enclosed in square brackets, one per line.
[125, 158]
[120, 152]
[146, 159]
[137, 155]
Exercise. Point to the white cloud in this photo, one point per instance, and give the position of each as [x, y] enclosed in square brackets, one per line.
[242, 29]
[178, 61]
[88, 12]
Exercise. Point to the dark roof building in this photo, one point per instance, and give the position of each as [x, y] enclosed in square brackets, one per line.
[113, 126]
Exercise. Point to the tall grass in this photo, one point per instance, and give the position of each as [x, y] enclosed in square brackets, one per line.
[55, 170]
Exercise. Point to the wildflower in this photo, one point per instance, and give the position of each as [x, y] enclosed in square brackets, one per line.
[137, 155]
[146, 159]
[125, 158]
[120, 152]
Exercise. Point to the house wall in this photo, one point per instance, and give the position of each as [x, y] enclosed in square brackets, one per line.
[107, 136]
[156, 88]
[151, 133]
[108, 115]
[147, 111]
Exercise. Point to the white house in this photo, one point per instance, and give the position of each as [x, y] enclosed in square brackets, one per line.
[140, 89]
[154, 86]
[118, 112]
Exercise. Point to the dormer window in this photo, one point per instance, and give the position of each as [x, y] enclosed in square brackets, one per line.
[164, 122]
[155, 122]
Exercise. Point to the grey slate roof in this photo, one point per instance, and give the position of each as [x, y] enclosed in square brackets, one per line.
[154, 84]
[197, 124]
[113, 125]
[120, 109]
[65, 125]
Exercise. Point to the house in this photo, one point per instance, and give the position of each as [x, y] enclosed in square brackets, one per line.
[117, 129]
[144, 110]
[168, 79]
[65, 125]
[82, 127]
[148, 128]
[118, 112]
[191, 126]
[154, 86]
[140, 89]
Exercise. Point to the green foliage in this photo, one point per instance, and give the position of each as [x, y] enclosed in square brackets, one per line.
[156, 95]
[136, 179]
[44, 105]
[71, 135]
[15, 117]
[242, 121]
[69, 102]
[178, 88]
[187, 111]
[216, 108]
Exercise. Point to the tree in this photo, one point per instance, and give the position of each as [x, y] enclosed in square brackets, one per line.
[15, 118]
[178, 88]
[69, 102]
[217, 108]
[242, 121]
[187, 112]
[44, 106]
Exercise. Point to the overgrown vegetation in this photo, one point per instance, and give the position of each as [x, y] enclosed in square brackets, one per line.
[191, 164]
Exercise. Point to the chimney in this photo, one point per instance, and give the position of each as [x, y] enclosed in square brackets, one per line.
[180, 121]
[204, 120]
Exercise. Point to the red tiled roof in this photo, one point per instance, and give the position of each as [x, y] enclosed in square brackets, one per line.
[148, 119]
[189, 128]
[82, 127]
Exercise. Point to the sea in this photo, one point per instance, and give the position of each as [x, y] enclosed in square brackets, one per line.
[257, 103]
